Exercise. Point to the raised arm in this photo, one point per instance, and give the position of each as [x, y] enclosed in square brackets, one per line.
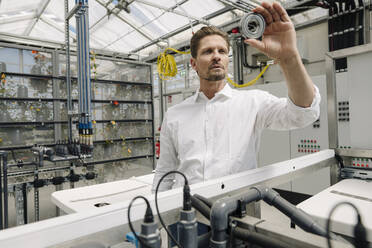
[279, 43]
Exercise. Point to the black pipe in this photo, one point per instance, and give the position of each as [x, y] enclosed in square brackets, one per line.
[257, 238]
[205, 200]
[330, 28]
[352, 27]
[344, 22]
[243, 54]
[360, 22]
[5, 185]
[201, 207]
[335, 24]
[24, 192]
[1, 193]
[203, 240]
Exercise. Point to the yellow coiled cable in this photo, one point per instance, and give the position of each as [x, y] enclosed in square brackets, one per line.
[252, 82]
[167, 66]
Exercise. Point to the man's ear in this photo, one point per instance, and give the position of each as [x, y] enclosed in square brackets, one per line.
[193, 63]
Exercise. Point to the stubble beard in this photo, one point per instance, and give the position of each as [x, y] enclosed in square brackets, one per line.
[213, 77]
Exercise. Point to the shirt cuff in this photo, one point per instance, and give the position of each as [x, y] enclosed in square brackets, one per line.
[315, 103]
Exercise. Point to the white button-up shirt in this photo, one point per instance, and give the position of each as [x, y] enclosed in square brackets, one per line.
[210, 138]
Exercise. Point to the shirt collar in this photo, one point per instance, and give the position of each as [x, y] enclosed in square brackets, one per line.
[226, 91]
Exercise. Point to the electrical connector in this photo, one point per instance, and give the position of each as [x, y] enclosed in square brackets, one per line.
[360, 234]
[186, 197]
[150, 235]
[149, 217]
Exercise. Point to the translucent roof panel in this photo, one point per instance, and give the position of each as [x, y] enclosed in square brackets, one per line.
[135, 40]
[42, 29]
[15, 29]
[115, 26]
[200, 8]
[111, 31]
[8, 6]
[172, 21]
[224, 18]
[119, 45]
[57, 7]
[147, 16]
[165, 3]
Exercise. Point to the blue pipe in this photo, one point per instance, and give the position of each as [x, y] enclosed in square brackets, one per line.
[78, 62]
[84, 58]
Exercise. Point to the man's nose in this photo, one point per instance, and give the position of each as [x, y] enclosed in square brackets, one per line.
[216, 56]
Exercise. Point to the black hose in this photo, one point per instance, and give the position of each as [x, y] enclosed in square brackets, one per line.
[360, 22]
[203, 240]
[1, 196]
[205, 200]
[257, 238]
[352, 24]
[243, 54]
[201, 207]
[25, 209]
[340, 161]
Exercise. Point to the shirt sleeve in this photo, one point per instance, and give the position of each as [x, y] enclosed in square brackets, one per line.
[168, 159]
[282, 114]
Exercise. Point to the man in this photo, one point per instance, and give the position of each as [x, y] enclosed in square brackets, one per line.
[216, 132]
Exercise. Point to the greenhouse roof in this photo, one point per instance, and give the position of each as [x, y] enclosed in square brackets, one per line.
[143, 27]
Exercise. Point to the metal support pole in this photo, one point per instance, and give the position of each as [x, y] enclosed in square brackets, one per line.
[68, 75]
[161, 101]
[36, 190]
[19, 205]
[152, 117]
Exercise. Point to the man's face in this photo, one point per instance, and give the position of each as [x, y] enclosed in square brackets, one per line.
[212, 58]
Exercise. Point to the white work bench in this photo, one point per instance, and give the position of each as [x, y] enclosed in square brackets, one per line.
[86, 219]
[91, 197]
[355, 191]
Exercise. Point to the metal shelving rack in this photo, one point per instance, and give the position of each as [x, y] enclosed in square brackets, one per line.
[32, 110]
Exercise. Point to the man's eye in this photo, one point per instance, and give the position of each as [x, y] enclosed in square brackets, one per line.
[223, 51]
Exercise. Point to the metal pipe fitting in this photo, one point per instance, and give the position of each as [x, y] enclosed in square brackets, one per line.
[150, 235]
[252, 25]
[298, 216]
[227, 205]
[187, 229]
[220, 212]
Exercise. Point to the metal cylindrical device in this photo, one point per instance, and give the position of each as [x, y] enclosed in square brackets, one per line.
[252, 25]
[187, 229]
[150, 235]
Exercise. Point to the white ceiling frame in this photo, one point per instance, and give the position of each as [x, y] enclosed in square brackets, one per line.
[17, 18]
[38, 15]
[130, 23]
[172, 10]
[62, 30]
[91, 28]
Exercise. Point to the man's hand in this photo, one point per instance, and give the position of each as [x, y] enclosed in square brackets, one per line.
[279, 39]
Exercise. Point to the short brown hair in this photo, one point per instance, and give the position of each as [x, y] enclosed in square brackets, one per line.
[203, 32]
